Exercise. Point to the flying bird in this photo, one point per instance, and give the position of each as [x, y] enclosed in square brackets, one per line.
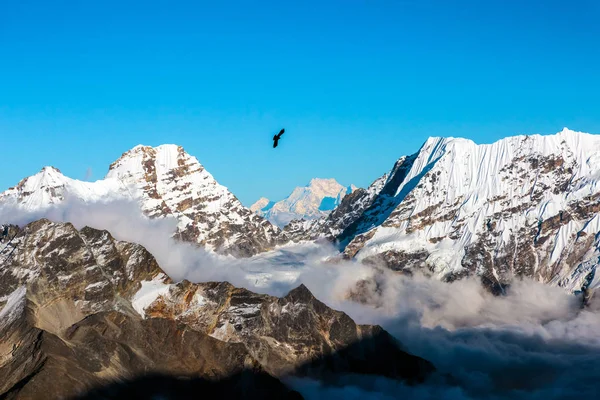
[277, 137]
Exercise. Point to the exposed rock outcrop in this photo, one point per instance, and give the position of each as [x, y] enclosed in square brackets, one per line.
[166, 182]
[80, 309]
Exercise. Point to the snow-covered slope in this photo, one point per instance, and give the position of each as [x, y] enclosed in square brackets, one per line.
[315, 200]
[166, 181]
[50, 186]
[522, 206]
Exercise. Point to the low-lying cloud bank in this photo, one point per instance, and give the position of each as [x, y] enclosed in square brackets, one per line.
[533, 343]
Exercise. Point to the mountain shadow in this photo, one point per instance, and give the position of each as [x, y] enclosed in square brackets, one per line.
[377, 355]
[245, 385]
[382, 205]
[387, 200]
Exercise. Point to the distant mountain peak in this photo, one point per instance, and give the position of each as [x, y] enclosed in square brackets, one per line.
[262, 204]
[322, 182]
[315, 200]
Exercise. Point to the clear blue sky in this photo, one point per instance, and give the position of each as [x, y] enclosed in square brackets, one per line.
[356, 84]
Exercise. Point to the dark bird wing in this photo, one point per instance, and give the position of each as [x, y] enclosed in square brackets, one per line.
[277, 137]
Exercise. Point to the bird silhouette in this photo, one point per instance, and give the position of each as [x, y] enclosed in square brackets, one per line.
[277, 137]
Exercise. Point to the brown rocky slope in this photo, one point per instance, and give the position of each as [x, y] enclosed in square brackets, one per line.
[80, 309]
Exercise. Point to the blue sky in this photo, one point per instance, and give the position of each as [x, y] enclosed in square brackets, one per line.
[356, 84]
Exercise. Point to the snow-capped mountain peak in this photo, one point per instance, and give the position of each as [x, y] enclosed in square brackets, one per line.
[165, 181]
[166, 176]
[312, 201]
[166, 157]
[47, 177]
[261, 204]
[518, 206]
[50, 186]
[525, 205]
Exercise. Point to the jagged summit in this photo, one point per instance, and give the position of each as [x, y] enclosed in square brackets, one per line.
[322, 182]
[261, 204]
[300, 293]
[166, 152]
[165, 181]
[522, 206]
[315, 200]
[50, 169]
[47, 173]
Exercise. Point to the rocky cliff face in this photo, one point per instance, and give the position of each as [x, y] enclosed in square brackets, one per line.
[523, 206]
[283, 334]
[169, 182]
[166, 182]
[111, 346]
[80, 309]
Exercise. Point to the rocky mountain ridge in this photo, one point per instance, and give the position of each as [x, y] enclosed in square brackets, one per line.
[166, 182]
[80, 309]
[524, 206]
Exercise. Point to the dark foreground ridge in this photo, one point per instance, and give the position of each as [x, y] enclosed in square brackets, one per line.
[71, 325]
[366, 357]
[244, 385]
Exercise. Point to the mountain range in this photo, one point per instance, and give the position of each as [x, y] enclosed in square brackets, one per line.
[522, 206]
[82, 313]
[165, 181]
